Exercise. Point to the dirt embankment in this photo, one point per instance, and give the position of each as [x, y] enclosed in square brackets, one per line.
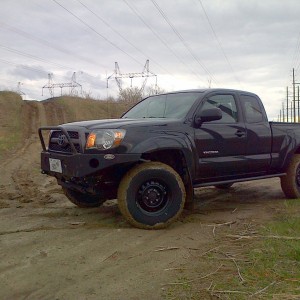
[20, 178]
[51, 249]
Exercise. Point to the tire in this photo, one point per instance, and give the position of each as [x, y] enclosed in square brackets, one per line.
[290, 183]
[224, 186]
[162, 185]
[83, 200]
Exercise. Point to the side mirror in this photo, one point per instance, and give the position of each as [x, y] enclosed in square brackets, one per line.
[208, 115]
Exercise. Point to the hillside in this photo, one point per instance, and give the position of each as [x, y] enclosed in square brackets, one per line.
[20, 119]
[222, 246]
[10, 120]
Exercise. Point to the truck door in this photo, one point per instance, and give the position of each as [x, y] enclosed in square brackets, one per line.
[259, 136]
[221, 144]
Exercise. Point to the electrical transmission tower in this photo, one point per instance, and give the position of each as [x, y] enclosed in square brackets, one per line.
[73, 85]
[118, 76]
[19, 88]
[49, 85]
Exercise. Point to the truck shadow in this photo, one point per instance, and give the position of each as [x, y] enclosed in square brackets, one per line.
[244, 200]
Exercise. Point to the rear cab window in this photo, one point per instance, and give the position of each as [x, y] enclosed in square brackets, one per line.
[253, 111]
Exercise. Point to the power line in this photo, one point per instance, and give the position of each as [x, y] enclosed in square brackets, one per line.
[96, 32]
[5, 83]
[159, 38]
[33, 57]
[27, 67]
[23, 66]
[218, 41]
[46, 43]
[123, 37]
[186, 45]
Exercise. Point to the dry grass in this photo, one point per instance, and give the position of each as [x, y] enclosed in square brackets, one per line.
[79, 109]
[20, 119]
[267, 267]
[10, 120]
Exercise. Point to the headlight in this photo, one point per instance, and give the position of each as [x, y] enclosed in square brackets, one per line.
[103, 139]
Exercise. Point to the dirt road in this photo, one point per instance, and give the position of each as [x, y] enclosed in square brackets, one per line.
[51, 249]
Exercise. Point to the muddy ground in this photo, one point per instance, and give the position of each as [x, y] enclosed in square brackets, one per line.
[50, 249]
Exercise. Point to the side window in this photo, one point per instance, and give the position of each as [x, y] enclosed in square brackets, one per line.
[227, 105]
[253, 111]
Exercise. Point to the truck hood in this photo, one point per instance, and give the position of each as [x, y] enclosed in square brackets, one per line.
[121, 123]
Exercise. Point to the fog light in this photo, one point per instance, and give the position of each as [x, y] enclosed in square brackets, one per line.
[94, 163]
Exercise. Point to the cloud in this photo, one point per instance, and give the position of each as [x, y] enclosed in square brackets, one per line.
[259, 40]
[27, 72]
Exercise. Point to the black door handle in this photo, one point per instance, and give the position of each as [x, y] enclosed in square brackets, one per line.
[240, 133]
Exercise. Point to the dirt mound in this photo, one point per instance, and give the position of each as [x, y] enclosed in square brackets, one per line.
[20, 179]
[19, 120]
[70, 109]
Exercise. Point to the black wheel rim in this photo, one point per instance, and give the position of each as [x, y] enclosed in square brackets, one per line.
[298, 176]
[153, 196]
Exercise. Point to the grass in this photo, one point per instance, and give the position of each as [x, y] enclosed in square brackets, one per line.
[269, 267]
[14, 125]
[277, 260]
[78, 109]
[10, 120]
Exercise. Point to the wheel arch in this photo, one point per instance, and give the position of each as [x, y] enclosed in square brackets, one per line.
[289, 157]
[180, 161]
[164, 148]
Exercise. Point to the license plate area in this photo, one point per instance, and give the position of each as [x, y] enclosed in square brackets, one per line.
[55, 165]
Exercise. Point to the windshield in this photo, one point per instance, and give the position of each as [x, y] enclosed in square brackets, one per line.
[163, 106]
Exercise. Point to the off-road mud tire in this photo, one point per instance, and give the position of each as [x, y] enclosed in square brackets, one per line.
[83, 200]
[290, 183]
[151, 195]
[224, 186]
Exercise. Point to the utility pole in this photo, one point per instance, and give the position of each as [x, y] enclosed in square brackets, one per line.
[292, 111]
[287, 104]
[298, 106]
[280, 116]
[294, 95]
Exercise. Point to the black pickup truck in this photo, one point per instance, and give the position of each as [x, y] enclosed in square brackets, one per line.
[153, 157]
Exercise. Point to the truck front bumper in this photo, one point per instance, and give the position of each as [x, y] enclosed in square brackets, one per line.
[81, 165]
[75, 163]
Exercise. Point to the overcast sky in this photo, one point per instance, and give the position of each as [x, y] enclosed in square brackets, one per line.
[250, 45]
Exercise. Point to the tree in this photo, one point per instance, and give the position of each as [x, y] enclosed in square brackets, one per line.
[130, 96]
[153, 90]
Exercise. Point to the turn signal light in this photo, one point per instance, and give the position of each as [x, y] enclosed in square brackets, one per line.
[90, 143]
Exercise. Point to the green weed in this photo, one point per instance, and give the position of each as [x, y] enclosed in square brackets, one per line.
[265, 266]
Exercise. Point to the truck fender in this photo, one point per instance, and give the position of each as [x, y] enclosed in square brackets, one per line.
[289, 147]
[182, 143]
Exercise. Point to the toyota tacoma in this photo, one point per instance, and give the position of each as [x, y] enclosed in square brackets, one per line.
[153, 157]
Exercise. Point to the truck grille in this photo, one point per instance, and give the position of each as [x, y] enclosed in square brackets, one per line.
[59, 143]
[72, 134]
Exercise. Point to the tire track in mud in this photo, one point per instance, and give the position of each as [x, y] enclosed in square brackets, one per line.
[21, 181]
